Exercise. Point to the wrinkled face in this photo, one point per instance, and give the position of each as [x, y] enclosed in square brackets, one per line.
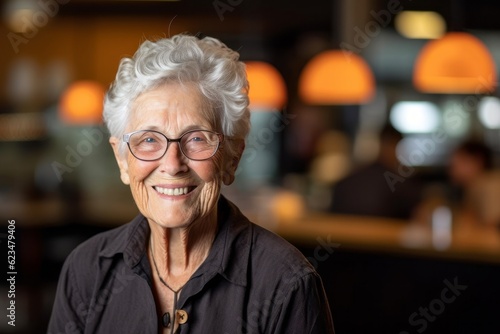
[172, 191]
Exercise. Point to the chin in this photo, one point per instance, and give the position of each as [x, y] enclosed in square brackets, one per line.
[173, 217]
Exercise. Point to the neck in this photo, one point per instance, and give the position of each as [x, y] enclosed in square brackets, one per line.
[178, 252]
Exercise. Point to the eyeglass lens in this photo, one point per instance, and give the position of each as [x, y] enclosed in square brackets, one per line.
[152, 145]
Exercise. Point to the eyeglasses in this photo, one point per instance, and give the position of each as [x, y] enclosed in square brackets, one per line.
[150, 145]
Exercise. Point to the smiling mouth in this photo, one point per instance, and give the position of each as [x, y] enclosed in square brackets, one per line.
[174, 191]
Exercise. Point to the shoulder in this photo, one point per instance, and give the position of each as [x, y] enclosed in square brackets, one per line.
[266, 241]
[83, 262]
[286, 281]
[99, 243]
[276, 258]
[269, 255]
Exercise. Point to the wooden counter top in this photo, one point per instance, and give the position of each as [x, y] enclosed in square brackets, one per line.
[468, 242]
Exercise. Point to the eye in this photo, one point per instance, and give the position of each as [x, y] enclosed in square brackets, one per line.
[146, 139]
[198, 138]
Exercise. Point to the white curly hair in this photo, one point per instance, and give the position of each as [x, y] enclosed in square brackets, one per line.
[206, 63]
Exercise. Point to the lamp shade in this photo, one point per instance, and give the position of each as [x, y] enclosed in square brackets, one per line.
[82, 103]
[267, 87]
[457, 63]
[333, 77]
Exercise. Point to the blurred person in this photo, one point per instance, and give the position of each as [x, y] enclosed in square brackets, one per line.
[301, 136]
[367, 191]
[190, 262]
[475, 182]
[468, 162]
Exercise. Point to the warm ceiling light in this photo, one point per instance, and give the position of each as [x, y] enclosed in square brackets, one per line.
[333, 77]
[267, 87]
[458, 63]
[425, 25]
[82, 103]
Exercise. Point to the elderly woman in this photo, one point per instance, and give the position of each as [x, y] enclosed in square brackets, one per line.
[190, 262]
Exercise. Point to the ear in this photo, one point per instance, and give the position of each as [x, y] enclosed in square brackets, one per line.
[120, 159]
[233, 163]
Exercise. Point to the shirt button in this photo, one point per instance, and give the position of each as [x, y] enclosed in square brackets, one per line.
[182, 316]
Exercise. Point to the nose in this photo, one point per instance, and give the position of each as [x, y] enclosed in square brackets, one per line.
[173, 162]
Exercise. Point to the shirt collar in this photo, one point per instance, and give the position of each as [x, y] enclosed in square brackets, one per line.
[130, 240]
[229, 255]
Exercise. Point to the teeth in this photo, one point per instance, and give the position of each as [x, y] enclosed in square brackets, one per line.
[172, 191]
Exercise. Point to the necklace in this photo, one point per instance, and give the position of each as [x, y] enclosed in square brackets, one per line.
[165, 318]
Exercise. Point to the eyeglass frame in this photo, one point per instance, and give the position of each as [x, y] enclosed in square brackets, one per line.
[126, 139]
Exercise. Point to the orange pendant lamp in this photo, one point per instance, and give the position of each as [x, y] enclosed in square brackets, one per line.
[336, 78]
[457, 63]
[82, 103]
[267, 87]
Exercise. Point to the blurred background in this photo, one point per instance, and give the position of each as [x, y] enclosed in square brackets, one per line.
[375, 145]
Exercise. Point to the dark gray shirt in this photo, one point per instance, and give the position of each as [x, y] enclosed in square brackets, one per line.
[251, 282]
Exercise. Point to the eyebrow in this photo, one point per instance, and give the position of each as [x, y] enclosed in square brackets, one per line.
[184, 130]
